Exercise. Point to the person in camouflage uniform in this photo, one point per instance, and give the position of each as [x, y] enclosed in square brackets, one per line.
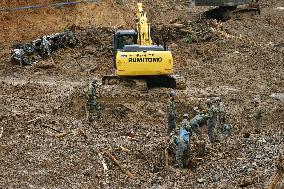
[24, 55]
[45, 47]
[212, 119]
[68, 39]
[182, 142]
[197, 121]
[171, 113]
[93, 105]
[226, 129]
[222, 126]
[257, 113]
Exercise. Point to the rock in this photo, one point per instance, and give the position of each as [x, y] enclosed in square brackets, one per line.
[254, 164]
[177, 25]
[280, 8]
[262, 140]
[277, 96]
[246, 135]
[160, 112]
[201, 180]
[259, 156]
[178, 8]
[216, 178]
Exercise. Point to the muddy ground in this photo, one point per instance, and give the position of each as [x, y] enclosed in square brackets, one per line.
[47, 143]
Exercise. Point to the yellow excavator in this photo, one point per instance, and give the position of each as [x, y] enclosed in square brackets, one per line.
[138, 62]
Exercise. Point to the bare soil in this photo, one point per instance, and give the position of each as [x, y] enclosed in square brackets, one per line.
[47, 143]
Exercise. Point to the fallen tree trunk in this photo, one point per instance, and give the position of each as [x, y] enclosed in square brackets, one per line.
[167, 158]
[125, 171]
[278, 175]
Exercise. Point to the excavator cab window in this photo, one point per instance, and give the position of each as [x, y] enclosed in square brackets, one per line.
[126, 40]
[124, 37]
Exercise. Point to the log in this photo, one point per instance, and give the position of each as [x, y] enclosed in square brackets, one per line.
[101, 158]
[278, 175]
[62, 134]
[134, 139]
[247, 182]
[103, 162]
[121, 148]
[48, 127]
[185, 31]
[87, 114]
[34, 120]
[167, 158]
[168, 167]
[177, 25]
[125, 171]
[1, 132]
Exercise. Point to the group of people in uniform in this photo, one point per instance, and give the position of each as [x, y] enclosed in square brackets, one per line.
[30, 53]
[214, 116]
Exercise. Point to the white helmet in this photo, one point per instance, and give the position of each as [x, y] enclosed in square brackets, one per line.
[172, 93]
[208, 101]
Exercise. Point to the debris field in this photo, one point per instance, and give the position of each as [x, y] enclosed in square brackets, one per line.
[45, 141]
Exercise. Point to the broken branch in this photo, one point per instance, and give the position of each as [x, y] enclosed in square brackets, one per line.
[125, 171]
[62, 134]
[278, 175]
[135, 139]
[121, 148]
[103, 162]
[167, 158]
[34, 120]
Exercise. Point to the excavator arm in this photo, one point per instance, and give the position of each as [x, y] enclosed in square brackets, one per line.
[142, 26]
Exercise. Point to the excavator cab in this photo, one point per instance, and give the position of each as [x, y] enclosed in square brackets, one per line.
[124, 37]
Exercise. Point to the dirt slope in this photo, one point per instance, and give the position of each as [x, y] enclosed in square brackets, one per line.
[28, 24]
[46, 142]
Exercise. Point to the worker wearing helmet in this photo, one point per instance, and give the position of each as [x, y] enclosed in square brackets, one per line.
[182, 142]
[185, 128]
[198, 121]
[92, 103]
[212, 119]
[171, 112]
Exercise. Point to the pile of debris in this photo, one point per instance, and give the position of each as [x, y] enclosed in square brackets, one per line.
[41, 48]
[190, 32]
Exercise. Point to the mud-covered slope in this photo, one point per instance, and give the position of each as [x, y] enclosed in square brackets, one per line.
[47, 143]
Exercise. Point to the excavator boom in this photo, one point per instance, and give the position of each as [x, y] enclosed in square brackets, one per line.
[142, 26]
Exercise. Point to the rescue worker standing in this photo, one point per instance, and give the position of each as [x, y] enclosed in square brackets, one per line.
[257, 113]
[171, 113]
[92, 104]
[45, 47]
[198, 121]
[221, 125]
[212, 119]
[182, 142]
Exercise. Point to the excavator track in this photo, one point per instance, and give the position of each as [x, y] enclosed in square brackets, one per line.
[180, 82]
[136, 83]
[143, 83]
